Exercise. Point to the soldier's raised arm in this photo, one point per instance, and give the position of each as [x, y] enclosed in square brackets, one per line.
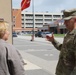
[56, 44]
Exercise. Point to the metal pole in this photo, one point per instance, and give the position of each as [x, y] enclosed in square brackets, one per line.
[33, 20]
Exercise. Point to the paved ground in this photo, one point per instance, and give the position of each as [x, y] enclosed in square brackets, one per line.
[31, 66]
[39, 39]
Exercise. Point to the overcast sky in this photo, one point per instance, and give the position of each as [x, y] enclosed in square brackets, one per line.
[47, 5]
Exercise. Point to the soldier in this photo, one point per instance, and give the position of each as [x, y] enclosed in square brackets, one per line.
[11, 62]
[67, 58]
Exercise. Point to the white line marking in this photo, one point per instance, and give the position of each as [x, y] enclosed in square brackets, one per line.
[48, 54]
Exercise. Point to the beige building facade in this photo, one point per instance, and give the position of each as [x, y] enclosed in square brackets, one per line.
[6, 14]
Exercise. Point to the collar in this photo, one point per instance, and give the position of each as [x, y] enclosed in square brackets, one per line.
[72, 32]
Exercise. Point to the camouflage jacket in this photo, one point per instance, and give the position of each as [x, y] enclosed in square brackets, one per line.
[67, 58]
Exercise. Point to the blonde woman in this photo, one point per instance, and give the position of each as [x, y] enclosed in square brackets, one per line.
[10, 59]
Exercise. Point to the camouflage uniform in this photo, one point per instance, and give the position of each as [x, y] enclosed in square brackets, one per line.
[67, 58]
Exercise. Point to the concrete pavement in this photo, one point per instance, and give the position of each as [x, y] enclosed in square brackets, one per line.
[32, 66]
[39, 38]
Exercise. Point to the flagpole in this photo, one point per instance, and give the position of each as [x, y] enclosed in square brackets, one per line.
[33, 33]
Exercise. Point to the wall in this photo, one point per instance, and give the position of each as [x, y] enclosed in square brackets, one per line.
[6, 14]
[17, 19]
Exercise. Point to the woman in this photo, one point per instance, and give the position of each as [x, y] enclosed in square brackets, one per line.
[11, 62]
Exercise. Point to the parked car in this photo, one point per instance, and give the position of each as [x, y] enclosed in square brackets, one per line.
[38, 34]
[44, 34]
[14, 34]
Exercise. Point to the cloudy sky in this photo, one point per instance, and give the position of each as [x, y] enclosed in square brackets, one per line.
[47, 5]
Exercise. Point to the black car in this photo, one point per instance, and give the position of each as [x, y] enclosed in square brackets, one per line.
[38, 34]
[14, 34]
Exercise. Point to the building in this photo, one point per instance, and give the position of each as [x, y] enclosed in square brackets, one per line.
[27, 21]
[56, 27]
[17, 20]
